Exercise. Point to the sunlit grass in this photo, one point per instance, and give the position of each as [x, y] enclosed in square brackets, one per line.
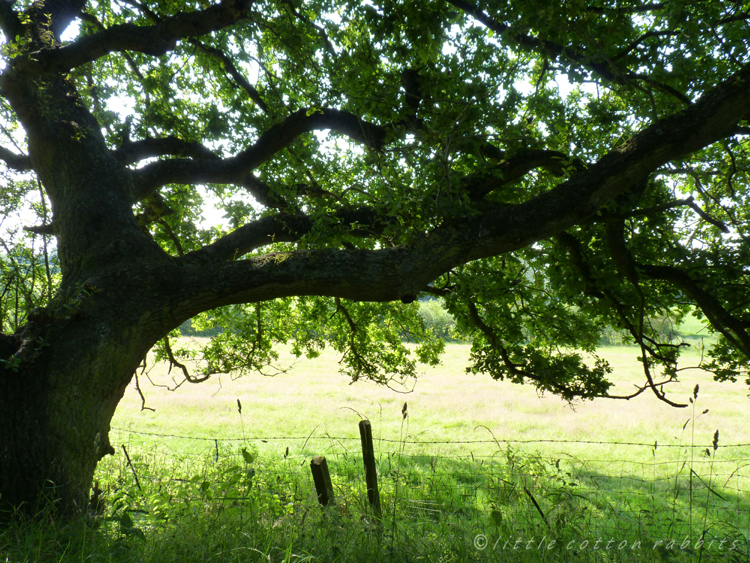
[201, 500]
[446, 403]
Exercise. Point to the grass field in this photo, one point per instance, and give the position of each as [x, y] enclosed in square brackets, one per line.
[445, 403]
[475, 460]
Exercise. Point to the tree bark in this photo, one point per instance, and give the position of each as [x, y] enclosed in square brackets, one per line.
[58, 394]
[68, 367]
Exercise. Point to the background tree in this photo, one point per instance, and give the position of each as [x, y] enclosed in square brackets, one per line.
[548, 169]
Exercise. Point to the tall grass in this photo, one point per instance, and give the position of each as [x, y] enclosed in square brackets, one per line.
[507, 504]
[454, 483]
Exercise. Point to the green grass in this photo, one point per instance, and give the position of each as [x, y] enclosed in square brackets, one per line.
[469, 460]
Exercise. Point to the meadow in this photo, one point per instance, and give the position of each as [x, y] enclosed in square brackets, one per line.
[478, 470]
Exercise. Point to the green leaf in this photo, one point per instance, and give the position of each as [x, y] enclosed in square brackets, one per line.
[249, 457]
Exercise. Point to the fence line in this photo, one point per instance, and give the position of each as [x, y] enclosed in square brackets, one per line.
[631, 473]
[449, 483]
[452, 442]
[479, 459]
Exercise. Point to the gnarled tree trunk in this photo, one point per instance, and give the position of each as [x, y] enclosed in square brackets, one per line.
[55, 409]
[65, 371]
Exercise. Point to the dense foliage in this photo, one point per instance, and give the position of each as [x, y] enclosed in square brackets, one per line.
[550, 170]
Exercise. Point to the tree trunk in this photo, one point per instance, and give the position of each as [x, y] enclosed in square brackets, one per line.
[63, 374]
[58, 394]
[52, 441]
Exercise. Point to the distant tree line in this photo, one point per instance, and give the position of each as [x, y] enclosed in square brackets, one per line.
[442, 324]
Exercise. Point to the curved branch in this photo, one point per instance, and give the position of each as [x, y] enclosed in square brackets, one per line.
[644, 387]
[644, 212]
[283, 227]
[153, 40]
[707, 218]
[245, 239]
[263, 193]
[516, 371]
[19, 162]
[135, 151]
[361, 365]
[666, 88]
[624, 262]
[173, 362]
[401, 272]
[627, 268]
[633, 44]
[621, 256]
[237, 168]
[230, 67]
[710, 119]
[731, 327]
[518, 166]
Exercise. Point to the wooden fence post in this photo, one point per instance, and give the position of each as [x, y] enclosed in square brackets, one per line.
[368, 456]
[322, 480]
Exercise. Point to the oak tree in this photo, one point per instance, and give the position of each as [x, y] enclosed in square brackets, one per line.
[548, 170]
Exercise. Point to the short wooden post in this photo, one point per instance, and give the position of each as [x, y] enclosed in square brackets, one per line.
[368, 456]
[322, 480]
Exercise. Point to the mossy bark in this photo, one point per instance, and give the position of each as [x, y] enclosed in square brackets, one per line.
[64, 372]
[60, 389]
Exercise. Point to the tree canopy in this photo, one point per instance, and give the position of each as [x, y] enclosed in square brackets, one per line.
[547, 169]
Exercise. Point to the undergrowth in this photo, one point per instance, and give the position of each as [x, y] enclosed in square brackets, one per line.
[240, 503]
[511, 506]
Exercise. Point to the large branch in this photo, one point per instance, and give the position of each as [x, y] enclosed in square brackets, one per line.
[237, 168]
[351, 274]
[402, 272]
[709, 120]
[19, 162]
[135, 151]
[154, 39]
[282, 227]
[132, 152]
[518, 166]
[264, 231]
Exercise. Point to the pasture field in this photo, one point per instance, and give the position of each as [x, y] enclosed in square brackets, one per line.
[475, 461]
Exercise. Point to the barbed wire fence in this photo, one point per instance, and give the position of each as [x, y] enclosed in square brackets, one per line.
[449, 475]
